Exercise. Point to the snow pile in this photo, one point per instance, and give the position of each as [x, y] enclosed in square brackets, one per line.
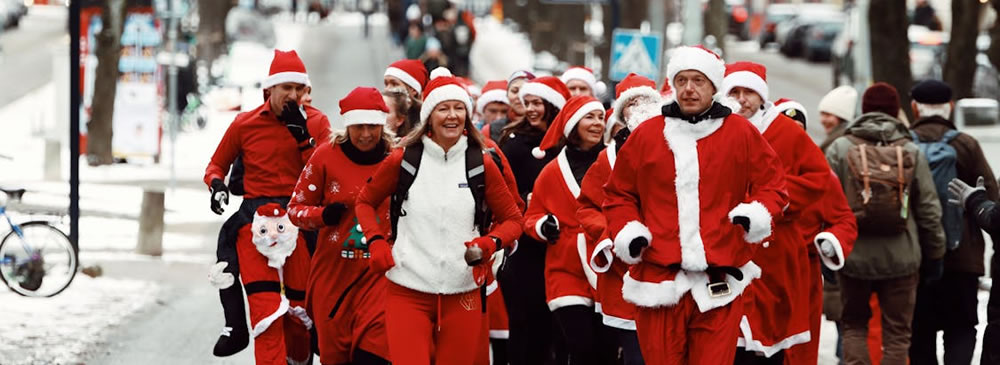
[498, 51]
[61, 329]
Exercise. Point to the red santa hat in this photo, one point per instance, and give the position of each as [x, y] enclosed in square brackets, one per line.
[631, 86]
[271, 210]
[576, 108]
[750, 75]
[493, 92]
[286, 67]
[363, 105]
[700, 59]
[471, 87]
[443, 87]
[410, 72]
[791, 109]
[549, 88]
[586, 75]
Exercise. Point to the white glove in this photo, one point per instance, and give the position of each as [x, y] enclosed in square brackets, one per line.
[301, 313]
[219, 279]
[826, 248]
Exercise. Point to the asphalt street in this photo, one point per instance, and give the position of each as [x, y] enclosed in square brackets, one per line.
[30, 46]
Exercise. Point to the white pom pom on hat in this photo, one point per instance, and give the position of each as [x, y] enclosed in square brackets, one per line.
[440, 72]
[538, 153]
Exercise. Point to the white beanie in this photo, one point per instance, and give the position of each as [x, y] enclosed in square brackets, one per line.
[841, 102]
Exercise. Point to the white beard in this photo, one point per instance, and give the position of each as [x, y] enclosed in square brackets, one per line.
[642, 112]
[275, 238]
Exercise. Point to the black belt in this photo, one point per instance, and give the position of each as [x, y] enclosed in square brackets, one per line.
[274, 287]
[717, 284]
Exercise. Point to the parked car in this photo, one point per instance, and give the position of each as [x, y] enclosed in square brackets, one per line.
[805, 13]
[819, 40]
[775, 14]
[795, 41]
[928, 50]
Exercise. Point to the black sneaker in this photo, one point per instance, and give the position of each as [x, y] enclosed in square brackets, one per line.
[231, 342]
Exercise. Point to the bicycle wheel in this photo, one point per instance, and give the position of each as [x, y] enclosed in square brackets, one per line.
[41, 264]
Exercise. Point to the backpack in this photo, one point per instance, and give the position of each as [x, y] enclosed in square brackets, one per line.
[879, 185]
[475, 174]
[943, 158]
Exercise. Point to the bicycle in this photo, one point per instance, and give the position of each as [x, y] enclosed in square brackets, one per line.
[36, 258]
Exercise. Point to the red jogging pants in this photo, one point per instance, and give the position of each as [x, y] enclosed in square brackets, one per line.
[422, 326]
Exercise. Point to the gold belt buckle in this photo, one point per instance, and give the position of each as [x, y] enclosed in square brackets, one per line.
[719, 289]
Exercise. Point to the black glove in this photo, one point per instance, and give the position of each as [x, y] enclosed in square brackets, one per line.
[295, 121]
[220, 195]
[332, 213]
[635, 247]
[931, 270]
[742, 221]
[550, 229]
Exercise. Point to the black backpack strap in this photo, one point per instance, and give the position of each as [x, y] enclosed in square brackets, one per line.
[475, 175]
[407, 174]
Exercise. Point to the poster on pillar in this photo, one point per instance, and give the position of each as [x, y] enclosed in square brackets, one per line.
[139, 98]
[635, 51]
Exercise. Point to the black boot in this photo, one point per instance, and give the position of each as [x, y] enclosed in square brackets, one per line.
[235, 337]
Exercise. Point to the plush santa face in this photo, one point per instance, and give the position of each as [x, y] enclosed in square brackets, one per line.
[274, 236]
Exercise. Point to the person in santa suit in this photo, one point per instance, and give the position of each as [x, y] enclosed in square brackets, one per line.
[523, 277]
[515, 114]
[582, 81]
[777, 312]
[693, 194]
[433, 304]
[636, 100]
[343, 296]
[275, 267]
[408, 77]
[273, 142]
[551, 219]
[493, 104]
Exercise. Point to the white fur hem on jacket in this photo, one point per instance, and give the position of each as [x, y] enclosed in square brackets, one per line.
[837, 248]
[760, 220]
[629, 232]
[500, 334]
[746, 340]
[566, 301]
[581, 249]
[668, 293]
[619, 323]
[603, 249]
[266, 322]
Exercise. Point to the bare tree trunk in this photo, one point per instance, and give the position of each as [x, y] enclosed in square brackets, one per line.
[108, 51]
[994, 51]
[716, 23]
[212, 28]
[891, 47]
[960, 67]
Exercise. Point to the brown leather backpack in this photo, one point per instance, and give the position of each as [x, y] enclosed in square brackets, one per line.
[879, 186]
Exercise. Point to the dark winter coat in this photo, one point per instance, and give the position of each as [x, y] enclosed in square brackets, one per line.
[887, 257]
[517, 147]
[971, 164]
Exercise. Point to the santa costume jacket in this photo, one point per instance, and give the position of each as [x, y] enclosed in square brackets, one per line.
[777, 316]
[720, 168]
[569, 280]
[343, 296]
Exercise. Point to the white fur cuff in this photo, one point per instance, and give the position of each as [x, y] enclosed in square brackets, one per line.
[760, 220]
[629, 232]
[603, 249]
[540, 222]
[837, 248]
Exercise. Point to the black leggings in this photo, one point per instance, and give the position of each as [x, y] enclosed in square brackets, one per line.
[362, 357]
[587, 341]
[744, 357]
[523, 283]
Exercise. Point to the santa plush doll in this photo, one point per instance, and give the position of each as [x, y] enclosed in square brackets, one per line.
[273, 270]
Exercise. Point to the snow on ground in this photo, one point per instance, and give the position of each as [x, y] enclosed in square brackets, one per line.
[59, 330]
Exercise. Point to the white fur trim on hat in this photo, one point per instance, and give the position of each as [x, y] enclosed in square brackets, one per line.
[692, 58]
[444, 93]
[790, 104]
[362, 116]
[492, 96]
[745, 79]
[440, 72]
[629, 232]
[283, 77]
[543, 91]
[760, 220]
[619, 104]
[404, 77]
[577, 73]
[579, 114]
[838, 250]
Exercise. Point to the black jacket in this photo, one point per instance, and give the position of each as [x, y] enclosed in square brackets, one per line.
[517, 147]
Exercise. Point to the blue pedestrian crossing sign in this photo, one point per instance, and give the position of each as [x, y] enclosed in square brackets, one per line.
[635, 51]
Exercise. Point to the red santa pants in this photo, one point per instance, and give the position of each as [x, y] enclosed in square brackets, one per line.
[285, 336]
[422, 326]
[808, 353]
[683, 335]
